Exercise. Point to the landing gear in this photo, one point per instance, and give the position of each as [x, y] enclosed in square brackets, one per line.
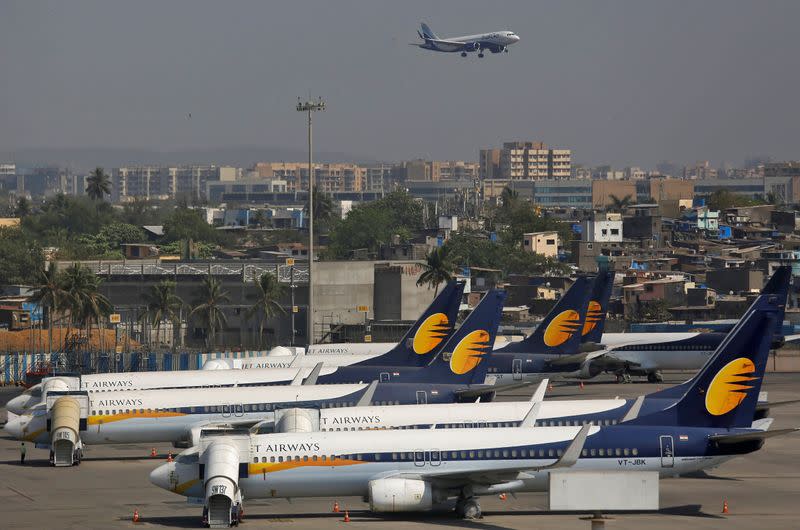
[463, 54]
[468, 508]
[623, 377]
[480, 54]
[655, 377]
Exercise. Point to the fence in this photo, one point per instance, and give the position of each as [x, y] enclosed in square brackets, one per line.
[14, 366]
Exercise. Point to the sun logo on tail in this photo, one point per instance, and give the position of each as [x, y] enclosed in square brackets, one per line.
[469, 352]
[431, 333]
[562, 327]
[593, 316]
[729, 387]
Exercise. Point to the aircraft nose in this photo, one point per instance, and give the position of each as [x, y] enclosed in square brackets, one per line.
[515, 38]
[18, 405]
[13, 427]
[160, 475]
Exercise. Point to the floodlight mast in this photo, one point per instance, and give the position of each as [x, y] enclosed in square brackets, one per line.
[309, 107]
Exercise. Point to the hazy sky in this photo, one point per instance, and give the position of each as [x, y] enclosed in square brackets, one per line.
[617, 82]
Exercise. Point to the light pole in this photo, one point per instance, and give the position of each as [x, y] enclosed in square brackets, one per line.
[309, 107]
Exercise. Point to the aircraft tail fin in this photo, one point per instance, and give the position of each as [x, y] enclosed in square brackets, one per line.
[427, 33]
[724, 394]
[559, 332]
[464, 359]
[429, 333]
[598, 307]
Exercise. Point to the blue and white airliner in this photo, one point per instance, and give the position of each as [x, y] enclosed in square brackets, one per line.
[495, 42]
[710, 422]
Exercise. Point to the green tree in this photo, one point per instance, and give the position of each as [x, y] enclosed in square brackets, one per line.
[208, 308]
[437, 268]
[49, 294]
[98, 185]
[619, 204]
[161, 303]
[724, 199]
[185, 223]
[87, 306]
[22, 208]
[323, 210]
[267, 304]
[20, 257]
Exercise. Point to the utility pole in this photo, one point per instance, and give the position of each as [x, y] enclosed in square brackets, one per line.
[309, 107]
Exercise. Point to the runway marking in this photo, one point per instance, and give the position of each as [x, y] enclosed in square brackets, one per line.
[21, 494]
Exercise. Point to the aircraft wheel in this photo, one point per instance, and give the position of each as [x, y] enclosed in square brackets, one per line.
[655, 377]
[463, 54]
[468, 509]
[480, 54]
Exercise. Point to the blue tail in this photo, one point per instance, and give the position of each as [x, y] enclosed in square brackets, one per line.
[724, 393]
[430, 332]
[777, 285]
[559, 332]
[598, 307]
[427, 33]
[464, 357]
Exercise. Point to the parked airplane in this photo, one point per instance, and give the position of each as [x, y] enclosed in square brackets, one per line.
[421, 343]
[650, 353]
[709, 424]
[495, 42]
[178, 416]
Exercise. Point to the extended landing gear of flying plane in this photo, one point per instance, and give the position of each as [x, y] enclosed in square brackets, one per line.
[468, 508]
[463, 54]
[480, 54]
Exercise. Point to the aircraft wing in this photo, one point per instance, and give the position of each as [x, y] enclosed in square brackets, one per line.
[503, 474]
[791, 338]
[448, 45]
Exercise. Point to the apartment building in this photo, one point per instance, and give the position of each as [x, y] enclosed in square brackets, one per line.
[534, 161]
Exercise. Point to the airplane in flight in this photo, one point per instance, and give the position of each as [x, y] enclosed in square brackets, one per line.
[495, 42]
[710, 423]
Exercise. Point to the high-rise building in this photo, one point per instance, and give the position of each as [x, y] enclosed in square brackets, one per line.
[146, 182]
[327, 177]
[534, 161]
[490, 164]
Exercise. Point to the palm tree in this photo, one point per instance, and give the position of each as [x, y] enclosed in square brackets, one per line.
[208, 307]
[617, 204]
[268, 292]
[86, 304]
[438, 268]
[98, 185]
[22, 208]
[161, 303]
[508, 197]
[50, 295]
[323, 208]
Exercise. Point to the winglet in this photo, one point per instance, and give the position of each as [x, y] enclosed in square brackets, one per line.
[573, 452]
[366, 398]
[313, 376]
[633, 412]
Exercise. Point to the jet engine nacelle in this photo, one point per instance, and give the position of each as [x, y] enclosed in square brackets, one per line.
[589, 370]
[473, 47]
[297, 420]
[400, 495]
[217, 364]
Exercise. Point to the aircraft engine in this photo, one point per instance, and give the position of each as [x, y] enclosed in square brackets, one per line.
[589, 370]
[297, 420]
[216, 364]
[279, 351]
[400, 495]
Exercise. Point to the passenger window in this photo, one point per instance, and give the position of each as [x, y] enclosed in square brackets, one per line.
[618, 452]
[255, 460]
[626, 451]
[272, 459]
[602, 452]
[635, 452]
[280, 459]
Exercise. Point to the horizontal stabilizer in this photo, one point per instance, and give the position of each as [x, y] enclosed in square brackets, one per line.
[366, 397]
[729, 439]
[476, 391]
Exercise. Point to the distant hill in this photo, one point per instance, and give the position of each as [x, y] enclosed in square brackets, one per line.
[84, 159]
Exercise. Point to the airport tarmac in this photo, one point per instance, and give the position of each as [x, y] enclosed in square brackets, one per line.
[762, 489]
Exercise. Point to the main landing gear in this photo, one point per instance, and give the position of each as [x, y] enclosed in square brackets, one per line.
[655, 377]
[480, 54]
[468, 508]
[463, 54]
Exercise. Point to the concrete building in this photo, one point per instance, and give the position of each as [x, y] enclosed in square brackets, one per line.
[751, 187]
[782, 180]
[602, 191]
[328, 178]
[603, 227]
[145, 182]
[534, 161]
[489, 164]
[575, 193]
[544, 243]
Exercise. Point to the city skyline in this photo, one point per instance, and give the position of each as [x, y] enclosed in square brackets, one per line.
[620, 84]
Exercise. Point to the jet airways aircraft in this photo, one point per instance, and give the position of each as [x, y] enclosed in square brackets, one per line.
[178, 415]
[495, 42]
[710, 423]
[421, 343]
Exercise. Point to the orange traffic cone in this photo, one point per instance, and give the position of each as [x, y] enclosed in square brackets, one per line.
[169, 457]
[581, 385]
[550, 387]
[136, 515]
[725, 506]
[336, 507]
[502, 496]
[153, 452]
[346, 516]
